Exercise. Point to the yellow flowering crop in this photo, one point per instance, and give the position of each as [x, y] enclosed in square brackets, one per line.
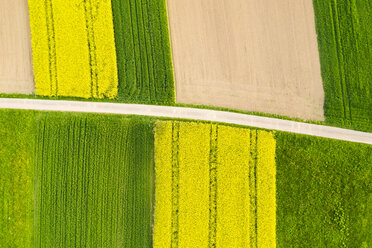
[215, 186]
[73, 48]
[193, 185]
[266, 190]
[233, 187]
[163, 181]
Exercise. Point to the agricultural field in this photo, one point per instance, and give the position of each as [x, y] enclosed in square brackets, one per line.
[344, 37]
[249, 55]
[73, 48]
[215, 186]
[94, 179]
[17, 143]
[324, 190]
[77, 180]
[143, 51]
[16, 74]
[308, 60]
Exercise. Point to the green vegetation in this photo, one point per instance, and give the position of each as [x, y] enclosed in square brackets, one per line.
[344, 35]
[16, 165]
[94, 181]
[324, 192]
[143, 51]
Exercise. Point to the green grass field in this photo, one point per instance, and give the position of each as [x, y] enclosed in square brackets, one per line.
[344, 37]
[17, 144]
[94, 181]
[324, 192]
[143, 51]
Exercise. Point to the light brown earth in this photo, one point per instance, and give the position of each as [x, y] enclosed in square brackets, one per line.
[16, 74]
[254, 55]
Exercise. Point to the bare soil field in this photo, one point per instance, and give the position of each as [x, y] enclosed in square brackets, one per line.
[16, 74]
[247, 54]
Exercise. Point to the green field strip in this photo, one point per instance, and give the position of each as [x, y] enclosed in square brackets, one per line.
[17, 145]
[94, 182]
[324, 191]
[343, 29]
[143, 51]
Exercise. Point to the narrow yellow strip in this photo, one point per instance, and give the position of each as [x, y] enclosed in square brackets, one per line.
[40, 46]
[233, 187]
[107, 80]
[253, 189]
[266, 190]
[163, 184]
[194, 151]
[72, 51]
[73, 48]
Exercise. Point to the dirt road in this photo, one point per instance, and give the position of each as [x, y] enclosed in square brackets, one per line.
[188, 113]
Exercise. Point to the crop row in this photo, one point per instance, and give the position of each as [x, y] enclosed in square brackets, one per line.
[215, 186]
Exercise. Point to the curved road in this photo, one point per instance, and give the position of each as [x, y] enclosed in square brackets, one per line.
[189, 113]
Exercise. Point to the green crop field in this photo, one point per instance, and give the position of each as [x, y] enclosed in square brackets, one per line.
[93, 182]
[143, 51]
[16, 172]
[344, 35]
[324, 190]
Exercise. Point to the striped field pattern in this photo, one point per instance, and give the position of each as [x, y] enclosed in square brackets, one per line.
[344, 38]
[73, 48]
[94, 182]
[143, 51]
[215, 186]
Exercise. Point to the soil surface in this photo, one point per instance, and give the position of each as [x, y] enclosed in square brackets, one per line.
[16, 74]
[247, 54]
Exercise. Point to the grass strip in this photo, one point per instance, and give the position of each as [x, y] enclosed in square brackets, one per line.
[343, 29]
[143, 50]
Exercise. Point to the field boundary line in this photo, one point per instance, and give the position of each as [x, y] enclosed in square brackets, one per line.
[190, 114]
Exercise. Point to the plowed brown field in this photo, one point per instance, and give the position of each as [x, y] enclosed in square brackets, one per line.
[247, 54]
[16, 74]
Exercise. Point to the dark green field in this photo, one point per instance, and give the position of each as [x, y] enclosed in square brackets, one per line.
[143, 51]
[94, 179]
[324, 192]
[344, 37]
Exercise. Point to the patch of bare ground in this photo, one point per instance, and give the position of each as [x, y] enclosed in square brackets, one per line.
[248, 55]
[16, 74]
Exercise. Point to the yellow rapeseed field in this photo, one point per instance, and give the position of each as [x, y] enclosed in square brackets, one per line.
[163, 181]
[215, 186]
[233, 187]
[266, 190]
[73, 48]
[193, 185]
